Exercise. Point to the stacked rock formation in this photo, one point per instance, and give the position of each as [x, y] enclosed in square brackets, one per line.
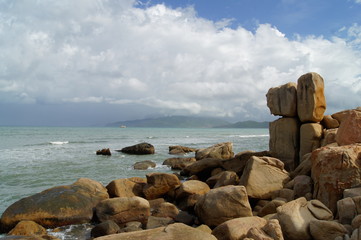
[302, 108]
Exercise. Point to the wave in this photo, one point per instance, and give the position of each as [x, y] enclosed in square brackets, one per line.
[59, 143]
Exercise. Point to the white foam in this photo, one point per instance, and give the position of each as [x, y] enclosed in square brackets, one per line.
[59, 143]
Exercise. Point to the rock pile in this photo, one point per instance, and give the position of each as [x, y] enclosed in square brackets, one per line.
[307, 186]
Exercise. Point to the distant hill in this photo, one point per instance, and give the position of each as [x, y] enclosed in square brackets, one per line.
[247, 124]
[173, 122]
[187, 122]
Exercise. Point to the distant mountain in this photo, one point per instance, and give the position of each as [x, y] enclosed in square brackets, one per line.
[247, 124]
[187, 122]
[173, 122]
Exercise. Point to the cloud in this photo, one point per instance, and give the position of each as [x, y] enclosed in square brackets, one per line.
[117, 52]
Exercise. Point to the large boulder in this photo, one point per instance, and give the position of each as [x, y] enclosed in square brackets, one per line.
[144, 165]
[218, 151]
[237, 228]
[311, 102]
[329, 122]
[139, 149]
[202, 168]
[282, 100]
[123, 209]
[192, 187]
[239, 161]
[177, 231]
[295, 217]
[222, 204]
[158, 184]
[179, 163]
[262, 176]
[126, 187]
[58, 206]
[284, 141]
[326, 230]
[335, 169]
[105, 228]
[310, 137]
[28, 228]
[349, 131]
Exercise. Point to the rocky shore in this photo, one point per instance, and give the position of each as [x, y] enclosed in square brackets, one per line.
[306, 186]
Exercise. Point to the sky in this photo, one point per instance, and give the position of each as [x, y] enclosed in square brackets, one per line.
[92, 62]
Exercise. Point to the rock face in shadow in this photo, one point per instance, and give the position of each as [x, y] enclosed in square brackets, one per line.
[58, 206]
[139, 149]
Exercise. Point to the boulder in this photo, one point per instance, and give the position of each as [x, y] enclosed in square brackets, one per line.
[191, 187]
[154, 222]
[335, 169]
[310, 137]
[105, 228]
[179, 163]
[311, 102]
[123, 210]
[304, 168]
[158, 184]
[58, 206]
[139, 149]
[28, 228]
[326, 230]
[329, 136]
[239, 161]
[282, 100]
[302, 185]
[180, 150]
[144, 165]
[273, 229]
[218, 151]
[284, 141]
[346, 210]
[132, 227]
[349, 131]
[202, 168]
[126, 187]
[262, 176]
[226, 178]
[237, 228]
[356, 222]
[165, 210]
[104, 151]
[186, 218]
[352, 192]
[222, 204]
[256, 233]
[271, 207]
[329, 122]
[284, 193]
[295, 217]
[177, 231]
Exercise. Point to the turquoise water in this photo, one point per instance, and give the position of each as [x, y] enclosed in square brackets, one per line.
[33, 159]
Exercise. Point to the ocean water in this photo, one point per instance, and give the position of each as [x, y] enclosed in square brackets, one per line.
[33, 159]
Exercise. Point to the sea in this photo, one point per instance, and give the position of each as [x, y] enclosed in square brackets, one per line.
[33, 159]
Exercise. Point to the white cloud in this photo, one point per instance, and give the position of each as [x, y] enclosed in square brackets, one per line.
[113, 52]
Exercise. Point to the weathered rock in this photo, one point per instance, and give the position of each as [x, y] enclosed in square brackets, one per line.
[346, 210]
[58, 206]
[295, 217]
[271, 207]
[284, 193]
[28, 228]
[237, 228]
[335, 169]
[165, 210]
[356, 222]
[302, 185]
[326, 230]
[186, 218]
[239, 161]
[202, 168]
[304, 168]
[352, 192]
[179, 163]
[340, 116]
[126, 187]
[123, 209]
[227, 178]
[329, 136]
[273, 229]
[132, 227]
[310, 137]
[222, 204]
[204, 228]
[180, 150]
[282, 100]
[218, 151]
[177, 231]
[191, 187]
[262, 176]
[349, 131]
[356, 234]
[329, 122]
[104, 151]
[311, 102]
[139, 149]
[154, 222]
[284, 141]
[158, 184]
[144, 165]
[105, 228]
[257, 234]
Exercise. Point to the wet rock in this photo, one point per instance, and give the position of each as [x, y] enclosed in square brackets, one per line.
[144, 165]
[180, 150]
[178, 163]
[104, 151]
[139, 149]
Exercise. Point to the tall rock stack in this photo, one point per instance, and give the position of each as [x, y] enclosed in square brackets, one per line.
[301, 107]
